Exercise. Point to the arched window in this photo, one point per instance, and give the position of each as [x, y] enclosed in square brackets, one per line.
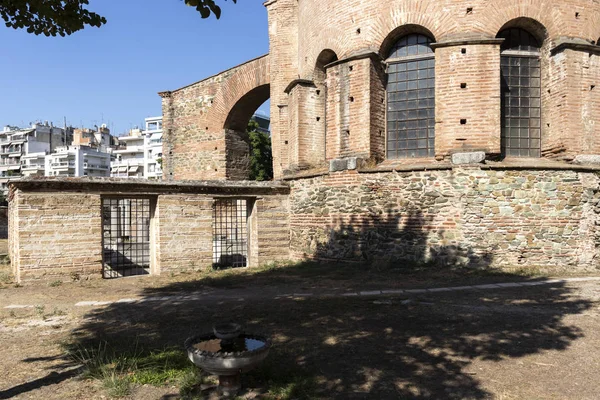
[521, 93]
[411, 98]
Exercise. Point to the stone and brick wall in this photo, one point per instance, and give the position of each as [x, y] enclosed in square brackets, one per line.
[55, 235]
[205, 123]
[466, 52]
[454, 217]
[56, 227]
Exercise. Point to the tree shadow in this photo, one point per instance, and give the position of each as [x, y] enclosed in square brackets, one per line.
[362, 347]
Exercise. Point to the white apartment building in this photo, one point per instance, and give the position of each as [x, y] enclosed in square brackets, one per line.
[15, 143]
[77, 160]
[153, 148]
[129, 156]
[139, 154]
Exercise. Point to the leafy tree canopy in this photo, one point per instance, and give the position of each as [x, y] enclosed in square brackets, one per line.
[64, 17]
[261, 155]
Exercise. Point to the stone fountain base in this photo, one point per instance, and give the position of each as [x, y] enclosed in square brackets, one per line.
[227, 353]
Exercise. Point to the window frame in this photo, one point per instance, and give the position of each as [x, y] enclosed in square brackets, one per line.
[405, 59]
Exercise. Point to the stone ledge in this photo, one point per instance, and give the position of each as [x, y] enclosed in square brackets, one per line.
[466, 42]
[574, 44]
[296, 82]
[143, 186]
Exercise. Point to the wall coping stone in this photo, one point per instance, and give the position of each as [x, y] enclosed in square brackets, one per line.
[507, 164]
[466, 42]
[170, 92]
[295, 82]
[143, 186]
[359, 56]
[563, 43]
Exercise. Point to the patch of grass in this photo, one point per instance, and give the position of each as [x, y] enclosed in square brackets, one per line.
[130, 363]
[55, 283]
[116, 385]
[40, 311]
[6, 277]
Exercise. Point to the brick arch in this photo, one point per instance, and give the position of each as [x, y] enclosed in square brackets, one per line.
[242, 111]
[503, 13]
[240, 90]
[421, 17]
[395, 35]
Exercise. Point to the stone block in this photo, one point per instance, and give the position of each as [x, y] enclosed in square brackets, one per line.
[474, 157]
[352, 162]
[587, 159]
[338, 165]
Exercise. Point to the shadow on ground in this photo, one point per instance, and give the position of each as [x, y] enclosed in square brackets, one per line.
[361, 347]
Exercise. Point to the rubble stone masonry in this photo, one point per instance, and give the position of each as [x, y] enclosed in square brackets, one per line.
[475, 217]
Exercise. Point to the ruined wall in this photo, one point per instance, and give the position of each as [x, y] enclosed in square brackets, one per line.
[56, 225]
[205, 123]
[55, 235]
[184, 232]
[473, 217]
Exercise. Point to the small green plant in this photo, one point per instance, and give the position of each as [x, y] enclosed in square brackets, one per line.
[55, 283]
[116, 385]
[39, 310]
[6, 277]
[131, 363]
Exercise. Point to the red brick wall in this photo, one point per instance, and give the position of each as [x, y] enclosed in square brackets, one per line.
[478, 103]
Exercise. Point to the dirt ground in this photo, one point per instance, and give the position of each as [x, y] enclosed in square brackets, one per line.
[538, 342]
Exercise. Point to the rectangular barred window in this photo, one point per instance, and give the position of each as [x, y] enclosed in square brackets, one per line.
[411, 109]
[521, 106]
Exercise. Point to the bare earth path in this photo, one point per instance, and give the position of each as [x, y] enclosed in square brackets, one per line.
[512, 342]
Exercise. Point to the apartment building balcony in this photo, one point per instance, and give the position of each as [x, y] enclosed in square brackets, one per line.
[10, 151]
[95, 166]
[32, 167]
[129, 150]
[63, 165]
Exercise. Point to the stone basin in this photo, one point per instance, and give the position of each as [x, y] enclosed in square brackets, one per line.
[219, 361]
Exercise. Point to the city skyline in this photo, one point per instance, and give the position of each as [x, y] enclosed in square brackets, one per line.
[112, 75]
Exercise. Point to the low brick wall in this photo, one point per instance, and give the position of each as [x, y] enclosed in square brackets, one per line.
[476, 217]
[56, 224]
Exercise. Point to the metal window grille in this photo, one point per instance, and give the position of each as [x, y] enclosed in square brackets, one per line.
[126, 236]
[521, 94]
[230, 233]
[411, 98]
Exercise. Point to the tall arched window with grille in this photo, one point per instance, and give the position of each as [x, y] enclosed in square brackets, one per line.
[520, 80]
[411, 98]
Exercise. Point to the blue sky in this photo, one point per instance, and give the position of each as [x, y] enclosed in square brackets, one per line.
[113, 73]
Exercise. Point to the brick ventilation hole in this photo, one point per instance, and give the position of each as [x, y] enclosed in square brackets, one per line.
[358, 31]
[318, 92]
[463, 85]
[592, 87]
[351, 68]
[348, 133]
[463, 121]
[215, 148]
[318, 119]
[469, 10]
[463, 51]
[207, 128]
[576, 15]
[351, 99]
[286, 142]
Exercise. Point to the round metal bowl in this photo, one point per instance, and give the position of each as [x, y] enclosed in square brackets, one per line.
[225, 364]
